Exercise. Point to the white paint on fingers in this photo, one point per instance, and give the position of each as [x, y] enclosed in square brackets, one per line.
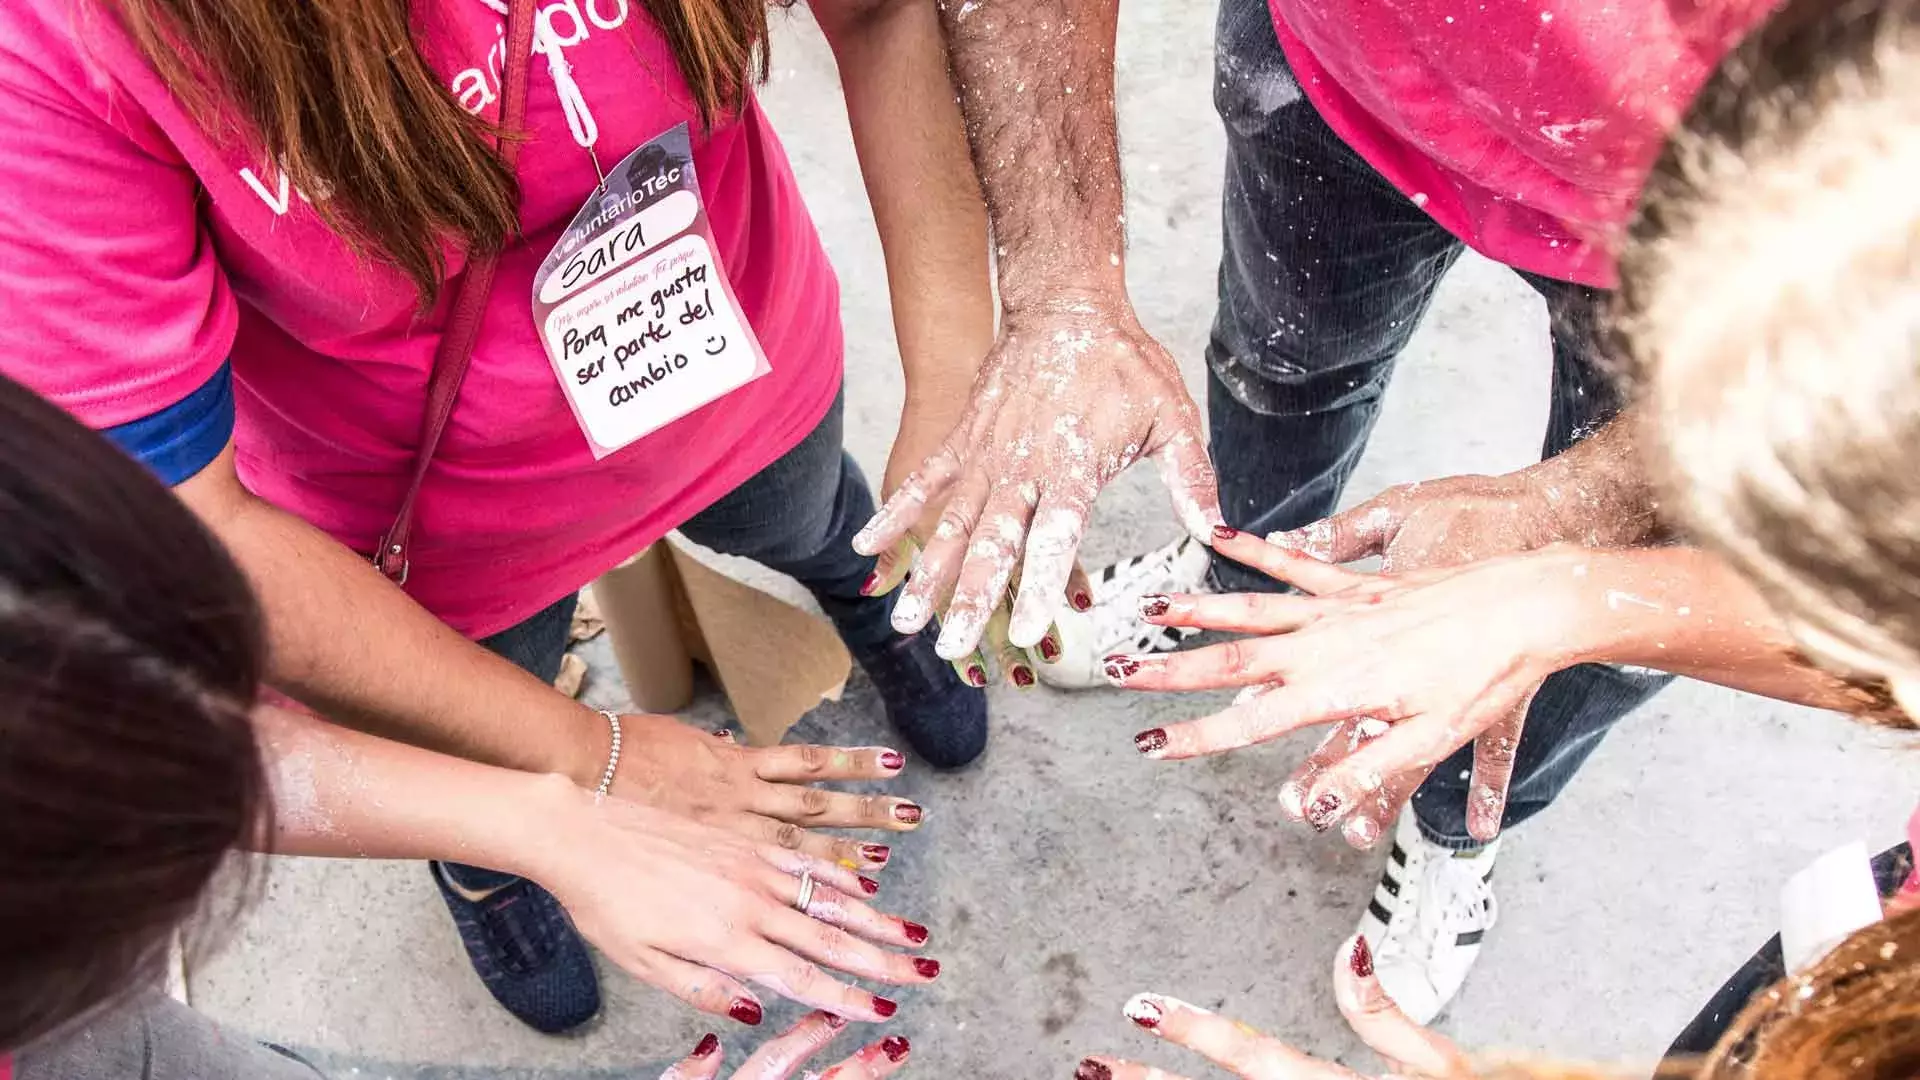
[1051, 547]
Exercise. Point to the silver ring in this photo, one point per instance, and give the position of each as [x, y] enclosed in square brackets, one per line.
[801, 902]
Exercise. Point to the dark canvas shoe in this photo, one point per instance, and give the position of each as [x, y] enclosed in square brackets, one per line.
[942, 718]
[523, 946]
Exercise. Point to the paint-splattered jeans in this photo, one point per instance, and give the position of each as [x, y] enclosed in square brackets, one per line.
[1325, 273]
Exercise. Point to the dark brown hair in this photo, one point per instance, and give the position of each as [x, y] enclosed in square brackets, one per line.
[1770, 310]
[337, 93]
[130, 654]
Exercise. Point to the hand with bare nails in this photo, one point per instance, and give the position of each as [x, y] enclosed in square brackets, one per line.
[1408, 1048]
[1406, 668]
[1068, 399]
[706, 914]
[780, 1057]
[766, 794]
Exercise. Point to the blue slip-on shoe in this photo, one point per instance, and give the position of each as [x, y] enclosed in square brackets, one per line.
[523, 946]
[942, 718]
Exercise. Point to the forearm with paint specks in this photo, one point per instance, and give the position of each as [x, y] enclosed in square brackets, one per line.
[1035, 79]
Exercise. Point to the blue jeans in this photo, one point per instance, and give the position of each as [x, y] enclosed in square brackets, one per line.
[1326, 271]
[797, 515]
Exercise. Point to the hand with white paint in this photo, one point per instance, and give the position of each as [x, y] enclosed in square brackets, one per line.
[704, 914]
[766, 794]
[995, 652]
[1069, 398]
[1406, 668]
[780, 1057]
[1594, 494]
[1408, 1048]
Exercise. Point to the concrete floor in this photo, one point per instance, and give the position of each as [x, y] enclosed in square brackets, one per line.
[1065, 872]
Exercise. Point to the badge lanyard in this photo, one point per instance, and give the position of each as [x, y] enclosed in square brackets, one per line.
[586, 132]
[633, 305]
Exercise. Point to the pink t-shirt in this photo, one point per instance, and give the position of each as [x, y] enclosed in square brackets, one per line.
[1524, 128]
[136, 256]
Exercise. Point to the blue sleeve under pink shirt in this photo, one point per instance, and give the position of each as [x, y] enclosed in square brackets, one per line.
[176, 291]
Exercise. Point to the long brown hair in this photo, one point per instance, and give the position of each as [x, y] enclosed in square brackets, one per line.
[1770, 309]
[338, 95]
[131, 651]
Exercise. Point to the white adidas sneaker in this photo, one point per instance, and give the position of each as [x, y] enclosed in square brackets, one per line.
[1114, 625]
[1427, 918]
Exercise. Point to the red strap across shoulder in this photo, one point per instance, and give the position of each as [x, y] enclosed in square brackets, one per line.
[469, 306]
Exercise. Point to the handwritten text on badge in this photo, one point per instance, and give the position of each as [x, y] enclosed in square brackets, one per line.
[635, 310]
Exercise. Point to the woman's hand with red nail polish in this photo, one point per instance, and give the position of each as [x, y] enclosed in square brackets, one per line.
[781, 1057]
[767, 794]
[1409, 1050]
[1406, 668]
[709, 915]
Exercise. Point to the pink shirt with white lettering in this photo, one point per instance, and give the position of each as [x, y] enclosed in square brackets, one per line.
[136, 256]
[1524, 128]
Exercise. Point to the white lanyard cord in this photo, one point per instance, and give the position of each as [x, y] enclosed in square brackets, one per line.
[579, 117]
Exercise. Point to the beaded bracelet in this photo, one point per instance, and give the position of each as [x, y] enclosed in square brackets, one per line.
[613, 756]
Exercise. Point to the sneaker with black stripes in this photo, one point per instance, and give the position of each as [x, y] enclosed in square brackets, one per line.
[1427, 918]
[1114, 625]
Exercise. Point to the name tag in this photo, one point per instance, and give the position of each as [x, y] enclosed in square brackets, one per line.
[633, 306]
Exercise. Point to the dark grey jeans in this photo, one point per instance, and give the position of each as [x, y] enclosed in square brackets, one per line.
[1326, 271]
[797, 515]
[157, 1038]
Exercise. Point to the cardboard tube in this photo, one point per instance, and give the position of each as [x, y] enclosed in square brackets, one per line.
[638, 601]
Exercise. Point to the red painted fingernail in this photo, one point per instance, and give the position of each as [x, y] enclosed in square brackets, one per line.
[1151, 741]
[977, 676]
[1048, 649]
[928, 969]
[1154, 605]
[1092, 1070]
[1022, 677]
[1321, 814]
[872, 583]
[1119, 668]
[836, 1021]
[896, 1048]
[1145, 1012]
[907, 812]
[747, 1012]
[1082, 600]
[869, 886]
[876, 853]
[707, 1046]
[893, 759]
[1225, 532]
[884, 1007]
[1362, 958]
[915, 932]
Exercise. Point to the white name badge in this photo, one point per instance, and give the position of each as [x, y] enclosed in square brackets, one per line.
[634, 308]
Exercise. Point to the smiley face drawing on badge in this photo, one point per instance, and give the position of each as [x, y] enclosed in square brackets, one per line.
[716, 344]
